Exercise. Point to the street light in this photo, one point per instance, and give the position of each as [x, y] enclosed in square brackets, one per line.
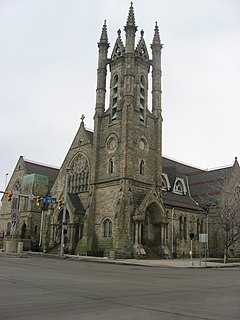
[64, 212]
[6, 177]
[191, 236]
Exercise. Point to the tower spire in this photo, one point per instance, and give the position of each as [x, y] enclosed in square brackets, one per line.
[103, 46]
[130, 30]
[156, 38]
[156, 47]
[131, 18]
[104, 35]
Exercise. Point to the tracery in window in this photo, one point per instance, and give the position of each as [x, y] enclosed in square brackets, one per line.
[107, 228]
[78, 180]
[111, 143]
[179, 186]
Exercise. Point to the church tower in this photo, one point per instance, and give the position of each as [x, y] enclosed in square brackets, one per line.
[125, 211]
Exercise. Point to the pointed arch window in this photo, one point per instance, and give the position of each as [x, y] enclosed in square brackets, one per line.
[110, 165]
[107, 228]
[181, 231]
[142, 167]
[23, 234]
[115, 97]
[179, 186]
[185, 228]
[142, 99]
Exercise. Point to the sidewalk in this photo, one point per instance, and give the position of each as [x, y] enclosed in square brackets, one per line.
[161, 263]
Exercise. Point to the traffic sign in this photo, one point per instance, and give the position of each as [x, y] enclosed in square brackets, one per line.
[49, 200]
[31, 196]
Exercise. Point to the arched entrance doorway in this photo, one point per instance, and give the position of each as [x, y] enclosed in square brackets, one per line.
[154, 229]
[23, 231]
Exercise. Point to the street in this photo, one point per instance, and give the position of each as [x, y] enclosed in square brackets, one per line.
[49, 288]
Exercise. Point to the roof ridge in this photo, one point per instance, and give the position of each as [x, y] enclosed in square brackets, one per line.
[41, 164]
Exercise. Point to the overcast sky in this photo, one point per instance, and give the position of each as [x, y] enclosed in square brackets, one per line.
[48, 62]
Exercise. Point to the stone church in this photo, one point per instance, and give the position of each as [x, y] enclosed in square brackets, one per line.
[115, 173]
[122, 196]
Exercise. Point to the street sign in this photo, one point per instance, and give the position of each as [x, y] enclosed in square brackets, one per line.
[203, 237]
[31, 197]
[49, 200]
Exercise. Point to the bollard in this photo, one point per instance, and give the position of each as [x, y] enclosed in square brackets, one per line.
[20, 247]
[9, 246]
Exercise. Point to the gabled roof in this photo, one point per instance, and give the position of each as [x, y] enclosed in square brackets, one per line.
[204, 185]
[180, 201]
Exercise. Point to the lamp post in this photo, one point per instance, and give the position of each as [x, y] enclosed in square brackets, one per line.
[6, 177]
[191, 236]
[64, 213]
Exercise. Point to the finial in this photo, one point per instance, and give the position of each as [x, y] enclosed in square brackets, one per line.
[119, 32]
[104, 36]
[235, 159]
[82, 117]
[131, 18]
[156, 37]
[142, 33]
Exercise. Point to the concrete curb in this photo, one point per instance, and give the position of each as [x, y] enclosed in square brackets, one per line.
[177, 263]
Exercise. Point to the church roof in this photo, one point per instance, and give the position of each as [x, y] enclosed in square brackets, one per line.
[204, 185]
[90, 135]
[181, 201]
[77, 203]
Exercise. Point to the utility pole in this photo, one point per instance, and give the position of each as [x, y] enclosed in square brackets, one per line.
[64, 213]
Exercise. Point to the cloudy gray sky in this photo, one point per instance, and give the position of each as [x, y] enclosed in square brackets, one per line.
[48, 62]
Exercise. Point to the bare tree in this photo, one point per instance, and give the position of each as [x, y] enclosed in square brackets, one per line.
[219, 195]
[229, 217]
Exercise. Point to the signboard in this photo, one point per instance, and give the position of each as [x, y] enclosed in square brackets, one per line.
[49, 200]
[203, 237]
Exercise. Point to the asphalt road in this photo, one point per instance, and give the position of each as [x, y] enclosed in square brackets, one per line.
[44, 288]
